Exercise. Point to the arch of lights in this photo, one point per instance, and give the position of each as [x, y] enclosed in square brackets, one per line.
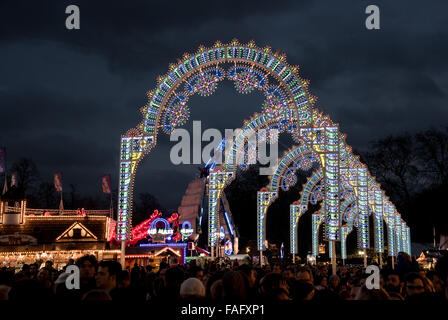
[358, 191]
[380, 206]
[287, 107]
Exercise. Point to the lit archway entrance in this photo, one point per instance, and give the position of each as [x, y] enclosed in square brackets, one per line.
[287, 107]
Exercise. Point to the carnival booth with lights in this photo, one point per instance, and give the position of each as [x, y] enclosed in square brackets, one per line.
[37, 235]
[156, 239]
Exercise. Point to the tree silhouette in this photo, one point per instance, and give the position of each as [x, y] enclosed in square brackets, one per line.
[27, 174]
[432, 150]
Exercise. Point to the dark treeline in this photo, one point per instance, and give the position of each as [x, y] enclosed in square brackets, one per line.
[413, 170]
[41, 193]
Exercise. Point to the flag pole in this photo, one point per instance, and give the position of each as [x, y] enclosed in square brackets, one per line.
[5, 186]
[434, 235]
[61, 205]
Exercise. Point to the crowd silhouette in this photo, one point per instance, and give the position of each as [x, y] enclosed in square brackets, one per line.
[223, 281]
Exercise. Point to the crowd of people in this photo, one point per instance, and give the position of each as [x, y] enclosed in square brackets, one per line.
[227, 281]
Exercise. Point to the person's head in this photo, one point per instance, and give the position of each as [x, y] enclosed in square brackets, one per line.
[217, 290]
[149, 268]
[442, 269]
[106, 277]
[393, 283]
[87, 265]
[235, 285]
[305, 275]
[356, 286]
[395, 296]
[288, 274]
[49, 264]
[43, 275]
[371, 294]
[123, 279]
[272, 284]
[405, 257]
[198, 273]
[4, 292]
[251, 274]
[174, 277]
[96, 295]
[192, 288]
[301, 290]
[436, 280]
[33, 268]
[334, 281]
[277, 269]
[429, 286]
[414, 283]
[321, 281]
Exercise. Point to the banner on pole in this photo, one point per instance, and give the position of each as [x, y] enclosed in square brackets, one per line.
[106, 183]
[61, 205]
[5, 186]
[2, 160]
[58, 181]
[14, 179]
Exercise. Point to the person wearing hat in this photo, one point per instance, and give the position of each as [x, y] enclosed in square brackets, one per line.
[192, 289]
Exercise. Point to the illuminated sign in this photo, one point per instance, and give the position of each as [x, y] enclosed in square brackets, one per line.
[160, 231]
[186, 230]
[155, 229]
[221, 233]
[228, 248]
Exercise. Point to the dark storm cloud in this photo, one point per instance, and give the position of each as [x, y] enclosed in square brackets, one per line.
[69, 95]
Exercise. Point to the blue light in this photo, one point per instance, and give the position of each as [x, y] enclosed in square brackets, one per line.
[228, 223]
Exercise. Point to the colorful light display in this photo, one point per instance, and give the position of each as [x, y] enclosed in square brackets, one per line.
[378, 222]
[363, 229]
[178, 114]
[249, 67]
[228, 247]
[398, 238]
[344, 234]
[264, 199]
[294, 216]
[408, 241]
[391, 230]
[285, 177]
[316, 219]
[288, 107]
[187, 229]
[217, 182]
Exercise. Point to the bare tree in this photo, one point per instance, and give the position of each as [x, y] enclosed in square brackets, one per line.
[433, 153]
[27, 174]
[394, 163]
[47, 195]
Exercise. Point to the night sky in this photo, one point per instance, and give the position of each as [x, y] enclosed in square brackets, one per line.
[66, 96]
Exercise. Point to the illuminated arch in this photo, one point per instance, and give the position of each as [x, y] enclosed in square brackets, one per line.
[251, 68]
[297, 158]
[288, 107]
